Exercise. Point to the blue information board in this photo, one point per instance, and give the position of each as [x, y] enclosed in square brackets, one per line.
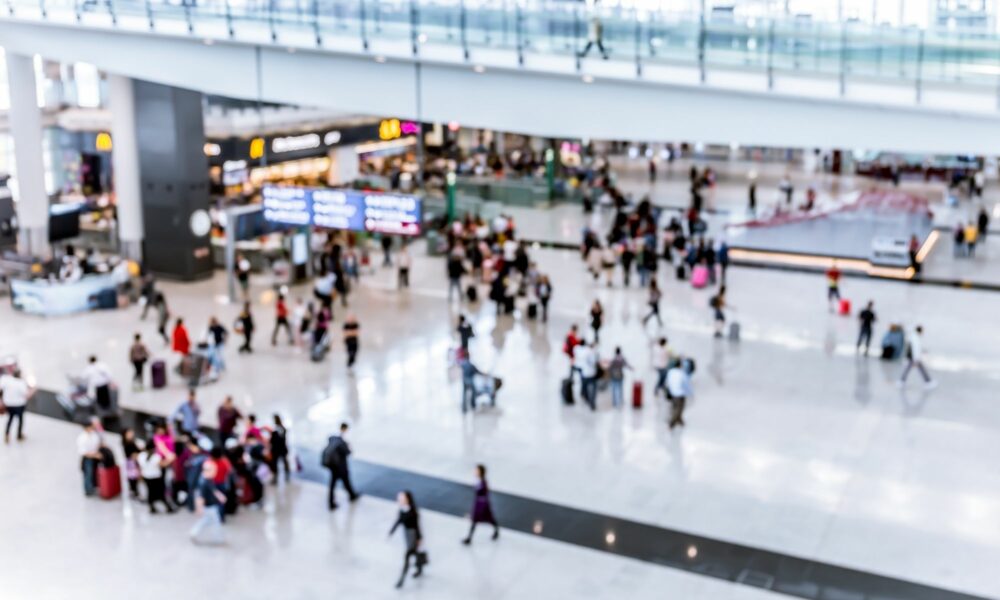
[343, 209]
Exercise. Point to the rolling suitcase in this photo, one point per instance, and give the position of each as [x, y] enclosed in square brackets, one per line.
[533, 311]
[109, 482]
[699, 277]
[158, 371]
[734, 332]
[681, 272]
[471, 293]
[567, 391]
[845, 307]
[637, 394]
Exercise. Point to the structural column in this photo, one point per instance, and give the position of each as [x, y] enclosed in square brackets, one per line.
[26, 130]
[125, 165]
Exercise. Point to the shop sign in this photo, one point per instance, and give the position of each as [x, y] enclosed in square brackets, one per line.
[295, 143]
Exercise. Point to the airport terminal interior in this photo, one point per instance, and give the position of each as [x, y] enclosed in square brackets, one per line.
[550, 299]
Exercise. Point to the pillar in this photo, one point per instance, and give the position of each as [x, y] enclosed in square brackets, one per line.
[26, 130]
[125, 165]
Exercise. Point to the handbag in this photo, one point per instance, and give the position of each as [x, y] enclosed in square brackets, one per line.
[3, 408]
[422, 558]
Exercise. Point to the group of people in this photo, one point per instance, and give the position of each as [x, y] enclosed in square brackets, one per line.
[967, 235]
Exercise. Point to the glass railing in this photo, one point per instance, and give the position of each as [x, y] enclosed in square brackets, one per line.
[535, 27]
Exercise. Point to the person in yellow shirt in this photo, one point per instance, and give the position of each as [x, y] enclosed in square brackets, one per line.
[971, 234]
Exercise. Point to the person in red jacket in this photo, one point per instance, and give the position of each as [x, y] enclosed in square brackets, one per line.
[569, 347]
[181, 342]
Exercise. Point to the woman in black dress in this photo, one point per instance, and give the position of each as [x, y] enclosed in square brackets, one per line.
[482, 510]
[410, 520]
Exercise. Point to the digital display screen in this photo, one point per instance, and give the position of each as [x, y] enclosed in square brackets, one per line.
[343, 209]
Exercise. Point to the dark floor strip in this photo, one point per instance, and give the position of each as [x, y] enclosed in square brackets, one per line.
[932, 281]
[744, 565]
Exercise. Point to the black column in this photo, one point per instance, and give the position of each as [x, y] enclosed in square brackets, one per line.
[170, 131]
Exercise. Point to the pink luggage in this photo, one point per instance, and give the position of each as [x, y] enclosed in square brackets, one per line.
[699, 277]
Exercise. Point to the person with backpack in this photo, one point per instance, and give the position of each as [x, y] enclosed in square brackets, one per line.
[335, 459]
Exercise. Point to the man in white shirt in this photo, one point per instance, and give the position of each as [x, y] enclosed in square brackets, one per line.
[88, 446]
[586, 359]
[98, 378]
[679, 386]
[15, 394]
[661, 362]
[915, 358]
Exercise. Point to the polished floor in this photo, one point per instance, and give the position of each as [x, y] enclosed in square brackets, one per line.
[793, 444]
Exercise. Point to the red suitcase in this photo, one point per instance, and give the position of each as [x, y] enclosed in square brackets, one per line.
[845, 307]
[637, 394]
[109, 482]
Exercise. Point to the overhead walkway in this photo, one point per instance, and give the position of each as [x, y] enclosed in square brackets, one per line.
[516, 66]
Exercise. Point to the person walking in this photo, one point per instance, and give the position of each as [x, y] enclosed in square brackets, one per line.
[131, 450]
[98, 378]
[915, 358]
[281, 321]
[279, 449]
[403, 263]
[14, 395]
[352, 329]
[409, 519]
[386, 250]
[180, 341]
[867, 319]
[335, 459]
[465, 333]
[217, 336]
[147, 294]
[971, 237]
[661, 362]
[88, 446]
[570, 345]
[596, 319]
[138, 354]
[718, 305]
[616, 374]
[244, 326]
[654, 304]
[455, 272]
[587, 360]
[162, 317]
[229, 416]
[151, 465]
[187, 414]
[243, 268]
[595, 37]
[983, 222]
[482, 510]
[210, 504]
[679, 388]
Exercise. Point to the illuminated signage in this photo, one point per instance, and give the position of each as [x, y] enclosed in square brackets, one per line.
[212, 149]
[389, 129]
[331, 138]
[256, 147]
[103, 142]
[343, 209]
[409, 128]
[295, 143]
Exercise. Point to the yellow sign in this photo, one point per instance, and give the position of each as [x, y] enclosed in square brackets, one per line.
[257, 148]
[389, 129]
[103, 142]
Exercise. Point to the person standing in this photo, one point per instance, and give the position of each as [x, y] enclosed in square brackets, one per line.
[833, 284]
[752, 197]
[718, 305]
[616, 374]
[596, 319]
[915, 358]
[983, 222]
[245, 326]
[403, 263]
[971, 237]
[179, 339]
[867, 318]
[147, 294]
[98, 378]
[88, 446]
[187, 414]
[482, 510]
[151, 465]
[217, 336]
[279, 449]
[914, 249]
[661, 362]
[654, 304]
[281, 321]
[544, 295]
[587, 360]
[15, 393]
[229, 416]
[679, 386]
[409, 518]
[138, 354]
[210, 503]
[627, 258]
[352, 329]
[131, 451]
[335, 459]
[570, 345]
[652, 170]
[455, 272]
[465, 333]
[243, 268]
[386, 250]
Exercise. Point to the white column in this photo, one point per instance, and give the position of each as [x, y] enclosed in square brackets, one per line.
[125, 165]
[26, 130]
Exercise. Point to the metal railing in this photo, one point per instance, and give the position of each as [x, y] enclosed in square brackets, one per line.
[843, 51]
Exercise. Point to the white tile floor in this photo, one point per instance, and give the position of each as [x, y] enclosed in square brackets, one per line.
[792, 443]
[58, 544]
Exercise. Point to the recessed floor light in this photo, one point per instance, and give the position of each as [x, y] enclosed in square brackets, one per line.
[479, 69]
[380, 59]
[588, 79]
[208, 41]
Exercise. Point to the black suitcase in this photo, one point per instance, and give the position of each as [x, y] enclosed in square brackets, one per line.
[472, 293]
[532, 311]
[567, 391]
[508, 305]
[681, 272]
